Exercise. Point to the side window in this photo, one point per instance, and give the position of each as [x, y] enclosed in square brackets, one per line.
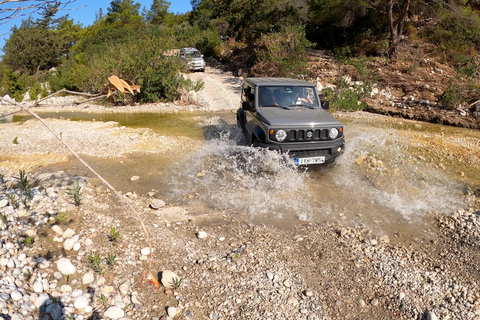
[248, 94]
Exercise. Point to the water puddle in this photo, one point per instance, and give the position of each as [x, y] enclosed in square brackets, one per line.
[389, 178]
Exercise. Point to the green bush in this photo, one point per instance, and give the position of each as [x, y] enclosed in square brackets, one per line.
[345, 97]
[282, 54]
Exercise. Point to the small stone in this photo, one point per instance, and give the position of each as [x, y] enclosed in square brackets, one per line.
[431, 316]
[57, 229]
[135, 178]
[88, 277]
[169, 292]
[157, 204]
[168, 279]
[114, 313]
[201, 235]
[16, 295]
[171, 311]
[81, 302]
[38, 287]
[68, 233]
[145, 251]
[65, 266]
[124, 287]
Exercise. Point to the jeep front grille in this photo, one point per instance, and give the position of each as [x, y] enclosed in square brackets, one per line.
[307, 135]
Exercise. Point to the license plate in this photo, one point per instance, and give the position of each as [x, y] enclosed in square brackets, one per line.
[311, 160]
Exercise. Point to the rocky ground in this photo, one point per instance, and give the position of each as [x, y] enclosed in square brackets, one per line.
[92, 261]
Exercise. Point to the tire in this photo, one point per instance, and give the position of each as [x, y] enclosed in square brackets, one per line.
[255, 143]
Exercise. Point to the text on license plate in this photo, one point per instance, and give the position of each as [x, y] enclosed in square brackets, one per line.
[311, 160]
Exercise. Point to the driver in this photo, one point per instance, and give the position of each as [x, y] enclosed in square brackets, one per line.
[297, 97]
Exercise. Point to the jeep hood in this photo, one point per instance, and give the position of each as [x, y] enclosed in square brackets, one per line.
[298, 117]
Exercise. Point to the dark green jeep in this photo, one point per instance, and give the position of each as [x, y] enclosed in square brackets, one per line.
[288, 115]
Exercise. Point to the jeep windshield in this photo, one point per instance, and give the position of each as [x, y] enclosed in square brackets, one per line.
[193, 54]
[288, 96]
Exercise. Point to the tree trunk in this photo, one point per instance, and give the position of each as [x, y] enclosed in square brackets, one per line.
[395, 27]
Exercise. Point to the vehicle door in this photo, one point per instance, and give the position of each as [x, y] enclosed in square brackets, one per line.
[249, 96]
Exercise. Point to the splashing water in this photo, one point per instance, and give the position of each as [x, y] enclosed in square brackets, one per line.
[378, 181]
[240, 179]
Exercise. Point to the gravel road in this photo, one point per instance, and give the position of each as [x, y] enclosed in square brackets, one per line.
[54, 255]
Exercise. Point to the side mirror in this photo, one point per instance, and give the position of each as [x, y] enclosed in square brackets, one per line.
[325, 105]
[247, 106]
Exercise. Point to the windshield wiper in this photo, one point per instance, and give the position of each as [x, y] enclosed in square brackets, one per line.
[302, 105]
[276, 105]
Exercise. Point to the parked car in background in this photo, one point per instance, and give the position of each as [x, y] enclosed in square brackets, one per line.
[287, 115]
[193, 58]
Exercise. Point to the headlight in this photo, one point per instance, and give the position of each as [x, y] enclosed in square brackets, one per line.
[333, 133]
[280, 135]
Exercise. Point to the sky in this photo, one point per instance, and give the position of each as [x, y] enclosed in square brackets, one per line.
[83, 11]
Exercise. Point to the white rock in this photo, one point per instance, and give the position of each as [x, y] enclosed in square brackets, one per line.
[76, 246]
[168, 278]
[68, 233]
[88, 277]
[65, 266]
[3, 203]
[38, 287]
[57, 229]
[69, 243]
[81, 302]
[125, 287]
[157, 204]
[41, 300]
[201, 234]
[431, 316]
[114, 313]
[135, 178]
[145, 251]
[171, 311]
[17, 316]
[16, 295]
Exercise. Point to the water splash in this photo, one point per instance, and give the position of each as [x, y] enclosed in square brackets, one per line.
[379, 166]
[240, 179]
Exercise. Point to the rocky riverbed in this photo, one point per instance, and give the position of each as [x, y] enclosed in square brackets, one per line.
[62, 261]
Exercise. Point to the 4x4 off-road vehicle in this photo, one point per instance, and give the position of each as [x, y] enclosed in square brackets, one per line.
[287, 115]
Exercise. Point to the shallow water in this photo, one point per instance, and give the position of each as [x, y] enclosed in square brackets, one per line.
[380, 182]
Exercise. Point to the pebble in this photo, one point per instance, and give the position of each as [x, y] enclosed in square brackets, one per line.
[65, 266]
[201, 235]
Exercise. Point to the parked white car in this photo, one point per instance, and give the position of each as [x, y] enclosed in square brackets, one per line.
[193, 58]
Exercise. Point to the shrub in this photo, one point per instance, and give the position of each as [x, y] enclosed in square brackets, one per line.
[345, 97]
[282, 53]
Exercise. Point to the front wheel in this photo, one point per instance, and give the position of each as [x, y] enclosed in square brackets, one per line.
[255, 143]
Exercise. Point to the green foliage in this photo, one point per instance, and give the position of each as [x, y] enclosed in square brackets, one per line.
[60, 217]
[177, 282]
[28, 241]
[41, 44]
[12, 199]
[12, 83]
[345, 97]
[3, 218]
[15, 140]
[96, 262]
[282, 54]
[452, 96]
[37, 91]
[74, 192]
[25, 185]
[102, 300]
[114, 235]
[457, 37]
[111, 259]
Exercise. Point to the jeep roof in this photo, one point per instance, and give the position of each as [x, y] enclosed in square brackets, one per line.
[276, 82]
